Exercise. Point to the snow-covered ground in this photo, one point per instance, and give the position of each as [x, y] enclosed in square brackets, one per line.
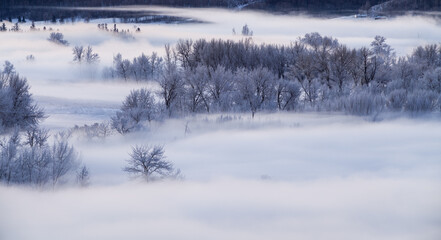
[277, 176]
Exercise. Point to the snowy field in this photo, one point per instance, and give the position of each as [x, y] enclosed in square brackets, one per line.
[277, 176]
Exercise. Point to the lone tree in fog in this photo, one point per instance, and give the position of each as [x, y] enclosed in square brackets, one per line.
[149, 163]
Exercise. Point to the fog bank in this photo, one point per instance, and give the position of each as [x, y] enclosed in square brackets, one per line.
[354, 208]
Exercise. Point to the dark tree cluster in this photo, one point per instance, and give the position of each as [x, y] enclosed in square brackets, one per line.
[80, 3]
[58, 38]
[284, 5]
[123, 33]
[314, 73]
[421, 5]
[307, 4]
[38, 10]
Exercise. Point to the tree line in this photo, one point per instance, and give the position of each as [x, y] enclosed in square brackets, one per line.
[283, 5]
[314, 73]
[334, 4]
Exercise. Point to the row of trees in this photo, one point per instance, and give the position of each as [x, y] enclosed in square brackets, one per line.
[314, 73]
[141, 68]
[26, 158]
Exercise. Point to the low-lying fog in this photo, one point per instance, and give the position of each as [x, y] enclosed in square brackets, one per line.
[280, 176]
[354, 208]
[277, 176]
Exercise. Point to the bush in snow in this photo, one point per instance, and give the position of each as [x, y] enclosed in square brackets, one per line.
[57, 38]
[138, 107]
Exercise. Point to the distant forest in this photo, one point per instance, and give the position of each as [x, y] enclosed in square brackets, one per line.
[276, 5]
[304, 4]
[291, 4]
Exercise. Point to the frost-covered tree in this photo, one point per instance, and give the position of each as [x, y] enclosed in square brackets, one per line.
[382, 59]
[421, 101]
[83, 176]
[220, 89]
[121, 67]
[82, 54]
[142, 68]
[139, 106]
[149, 163]
[364, 103]
[36, 163]
[288, 94]
[90, 56]
[17, 106]
[397, 99]
[78, 52]
[321, 49]
[341, 61]
[256, 89]
[196, 90]
[35, 136]
[9, 156]
[64, 159]
[171, 83]
[314, 73]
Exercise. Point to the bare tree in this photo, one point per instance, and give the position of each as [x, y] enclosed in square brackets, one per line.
[149, 163]
[82, 54]
[35, 136]
[78, 52]
[90, 56]
[83, 176]
[17, 106]
[170, 82]
[64, 158]
[121, 66]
